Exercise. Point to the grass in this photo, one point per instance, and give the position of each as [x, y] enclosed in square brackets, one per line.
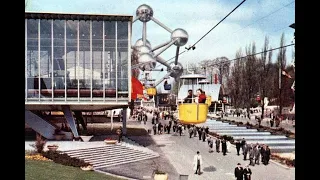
[43, 170]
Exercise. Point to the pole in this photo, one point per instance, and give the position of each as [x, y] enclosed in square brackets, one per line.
[280, 103]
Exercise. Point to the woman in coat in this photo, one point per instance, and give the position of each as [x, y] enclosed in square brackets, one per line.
[197, 163]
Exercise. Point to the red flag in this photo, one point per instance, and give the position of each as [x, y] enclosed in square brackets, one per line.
[136, 88]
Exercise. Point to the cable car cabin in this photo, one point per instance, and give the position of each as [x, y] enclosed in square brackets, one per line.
[167, 86]
[151, 91]
[190, 111]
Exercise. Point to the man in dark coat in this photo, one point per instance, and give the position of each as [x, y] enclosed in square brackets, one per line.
[267, 155]
[245, 150]
[243, 142]
[238, 172]
[247, 173]
[238, 146]
[200, 133]
[224, 147]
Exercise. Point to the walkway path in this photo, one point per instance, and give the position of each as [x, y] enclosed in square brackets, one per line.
[216, 166]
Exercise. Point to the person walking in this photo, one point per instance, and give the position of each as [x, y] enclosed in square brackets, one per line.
[247, 173]
[210, 144]
[238, 146]
[243, 142]
[120, 134]
[218, 145]
[238, 172]
[256, 152]
[197, 163]
[224, 146]
[251, 156]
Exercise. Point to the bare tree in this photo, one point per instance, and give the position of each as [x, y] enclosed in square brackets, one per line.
[235, 81]
[264, 73]
[281, 59]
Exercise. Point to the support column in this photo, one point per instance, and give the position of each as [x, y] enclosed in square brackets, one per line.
[124, 121]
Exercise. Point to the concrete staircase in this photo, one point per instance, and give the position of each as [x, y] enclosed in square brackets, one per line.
[113, 154]
[277, 143]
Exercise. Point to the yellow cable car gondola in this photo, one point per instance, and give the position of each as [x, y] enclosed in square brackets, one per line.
[192, 113]
[151, 91]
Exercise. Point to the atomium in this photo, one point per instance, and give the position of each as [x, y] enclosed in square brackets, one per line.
[181, 35]
[177, 70]
[139, 42]
[147, 61]
[144, 12]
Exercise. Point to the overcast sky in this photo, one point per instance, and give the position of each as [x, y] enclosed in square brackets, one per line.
[251, 22]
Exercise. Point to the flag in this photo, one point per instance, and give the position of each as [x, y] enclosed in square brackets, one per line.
[136, 88]
[286, 74]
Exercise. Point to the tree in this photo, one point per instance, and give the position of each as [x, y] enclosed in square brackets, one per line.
[250, 76]
[264, 72]
[235, 81]
[281, 59]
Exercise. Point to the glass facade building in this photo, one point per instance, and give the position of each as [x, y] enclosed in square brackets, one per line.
[75, 58]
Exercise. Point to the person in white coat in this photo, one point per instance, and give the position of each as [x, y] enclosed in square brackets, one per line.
[197, 163]
[228, 146]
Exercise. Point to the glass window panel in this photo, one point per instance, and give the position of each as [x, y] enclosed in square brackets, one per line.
[122, 37]
[84, 69]
[97, 48]
[45, 58]
[109, 28]
[32, 57]
[58, 58]
[72, 82]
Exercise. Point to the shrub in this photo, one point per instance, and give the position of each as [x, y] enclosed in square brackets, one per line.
[39, 144]
[64, 159]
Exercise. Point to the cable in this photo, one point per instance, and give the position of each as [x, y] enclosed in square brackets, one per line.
[209, 30]
[265, 16]
[218, 23]
[253, 54]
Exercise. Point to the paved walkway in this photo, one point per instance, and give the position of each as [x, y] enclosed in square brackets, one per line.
[215, 165]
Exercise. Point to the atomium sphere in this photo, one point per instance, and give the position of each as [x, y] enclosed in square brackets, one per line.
[139, 42]
[144, 12]
[176, 70]
[182, 36]
[147, 60]
[144, 49]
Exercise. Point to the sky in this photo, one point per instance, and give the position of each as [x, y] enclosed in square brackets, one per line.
[249, 23]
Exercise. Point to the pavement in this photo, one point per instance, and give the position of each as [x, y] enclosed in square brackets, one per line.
[179, 150]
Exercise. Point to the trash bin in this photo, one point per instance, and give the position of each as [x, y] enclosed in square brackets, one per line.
[183, 177]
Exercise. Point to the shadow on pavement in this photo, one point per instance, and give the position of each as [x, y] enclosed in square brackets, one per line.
[209, 169]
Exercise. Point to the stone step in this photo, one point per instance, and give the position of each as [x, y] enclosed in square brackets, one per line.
[105, 148]
[271, 137]
[104, 153]
[227, 127]
[104, 165]
[246, 133]
[220, 125]
[118, 158]
[232, 130]
[282, 149]
[274, 142]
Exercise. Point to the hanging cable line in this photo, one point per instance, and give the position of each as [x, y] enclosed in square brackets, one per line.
[252, 54]
[193, 46]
